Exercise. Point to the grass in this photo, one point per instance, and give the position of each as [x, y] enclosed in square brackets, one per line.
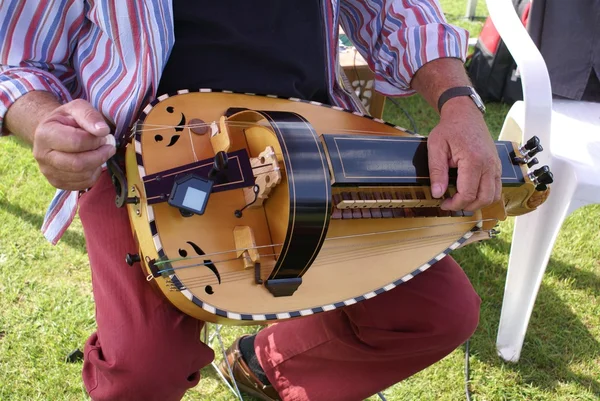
[47, 307]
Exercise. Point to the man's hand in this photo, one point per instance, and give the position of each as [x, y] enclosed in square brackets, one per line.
[461, 140]
[71, 144]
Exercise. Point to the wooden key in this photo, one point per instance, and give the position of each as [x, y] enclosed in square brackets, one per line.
[419, 194]
[382, 205]
[336, 213]
[408, 211]
[358, 205]
[388, 212]
[366, 212]
[443, 213]
[346, 200]
[398, 211]
[430, 211]
[375, 212]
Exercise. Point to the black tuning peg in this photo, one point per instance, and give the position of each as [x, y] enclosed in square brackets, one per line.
[539, 172]
[532, 162]
[535, 151]
[542, 177]
[532, 143]
[545, 178]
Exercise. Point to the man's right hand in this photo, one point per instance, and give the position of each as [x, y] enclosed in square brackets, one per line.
[71, 143]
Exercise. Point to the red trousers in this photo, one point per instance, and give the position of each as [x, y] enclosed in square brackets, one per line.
[145, 349]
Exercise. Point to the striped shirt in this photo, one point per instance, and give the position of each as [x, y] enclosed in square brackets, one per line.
[111, 53]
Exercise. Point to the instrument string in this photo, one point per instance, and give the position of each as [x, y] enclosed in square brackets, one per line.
[189, 130]
[266, 267]
[356, 252]
[161, 262]
[239, 124]
[246, 274]
[380, 248]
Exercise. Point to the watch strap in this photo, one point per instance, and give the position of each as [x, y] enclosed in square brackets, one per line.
[456, 92]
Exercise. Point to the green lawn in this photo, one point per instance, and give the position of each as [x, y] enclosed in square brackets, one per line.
[47, 307]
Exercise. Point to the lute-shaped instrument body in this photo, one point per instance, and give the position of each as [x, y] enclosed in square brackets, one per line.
[252, 208]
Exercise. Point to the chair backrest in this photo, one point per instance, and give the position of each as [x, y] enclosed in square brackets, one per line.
[537, 93]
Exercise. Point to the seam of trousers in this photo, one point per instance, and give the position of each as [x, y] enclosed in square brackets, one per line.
[87, 357]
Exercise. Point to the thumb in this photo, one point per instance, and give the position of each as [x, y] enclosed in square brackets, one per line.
[437, 150]
[90, 119]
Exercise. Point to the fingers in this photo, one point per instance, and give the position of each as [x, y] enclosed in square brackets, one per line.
[475, 189]
[438, 166]
[56, 136]
[72, 144]
[75, 171]
[73, 184]
[498, 191]
[87, 117]
[467, 188]
[79, 162]
[485, 194]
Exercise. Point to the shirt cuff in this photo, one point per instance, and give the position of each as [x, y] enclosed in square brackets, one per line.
[407, 50]
[18, 81]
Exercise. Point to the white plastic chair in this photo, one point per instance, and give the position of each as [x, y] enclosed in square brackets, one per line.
[569, 132]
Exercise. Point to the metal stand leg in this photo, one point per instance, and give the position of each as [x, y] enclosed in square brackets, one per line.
[208, 339]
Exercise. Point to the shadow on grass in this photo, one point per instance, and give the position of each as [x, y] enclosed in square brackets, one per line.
[72, 239]
[556, 338]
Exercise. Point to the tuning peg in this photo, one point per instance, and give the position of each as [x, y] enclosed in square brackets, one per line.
[535, 151]
[542, 177]
[545, 178]
[532, 162]
[530, 144]
[536, 173]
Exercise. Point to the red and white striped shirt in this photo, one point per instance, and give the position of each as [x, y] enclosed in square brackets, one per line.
[111, 53]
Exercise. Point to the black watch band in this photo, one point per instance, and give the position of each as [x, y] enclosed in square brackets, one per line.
[461, 91]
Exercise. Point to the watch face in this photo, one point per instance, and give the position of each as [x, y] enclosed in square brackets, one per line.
[477, 99]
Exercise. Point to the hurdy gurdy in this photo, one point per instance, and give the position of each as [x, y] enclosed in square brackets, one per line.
[249, 209]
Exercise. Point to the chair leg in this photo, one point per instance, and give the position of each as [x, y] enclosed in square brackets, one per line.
[533, 239]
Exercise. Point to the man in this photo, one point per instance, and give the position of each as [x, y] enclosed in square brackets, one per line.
[113, 57]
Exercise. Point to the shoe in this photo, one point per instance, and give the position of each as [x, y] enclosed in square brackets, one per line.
[243, 376]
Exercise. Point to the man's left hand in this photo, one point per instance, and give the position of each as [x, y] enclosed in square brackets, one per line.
[462, 140]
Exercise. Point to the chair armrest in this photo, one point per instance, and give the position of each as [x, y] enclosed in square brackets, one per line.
[537, 93]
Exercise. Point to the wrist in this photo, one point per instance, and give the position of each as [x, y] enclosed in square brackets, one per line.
[458, 107]
[460, 92]
[24, 115]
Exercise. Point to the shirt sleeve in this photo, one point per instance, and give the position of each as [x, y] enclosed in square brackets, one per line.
[397, 37]
[35, 52]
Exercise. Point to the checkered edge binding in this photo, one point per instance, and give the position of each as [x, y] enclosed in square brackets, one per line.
[285, 315]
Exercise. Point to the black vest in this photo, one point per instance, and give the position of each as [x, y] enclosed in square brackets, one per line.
[259, 46]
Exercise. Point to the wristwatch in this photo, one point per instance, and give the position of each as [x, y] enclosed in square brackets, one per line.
[461, 91]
